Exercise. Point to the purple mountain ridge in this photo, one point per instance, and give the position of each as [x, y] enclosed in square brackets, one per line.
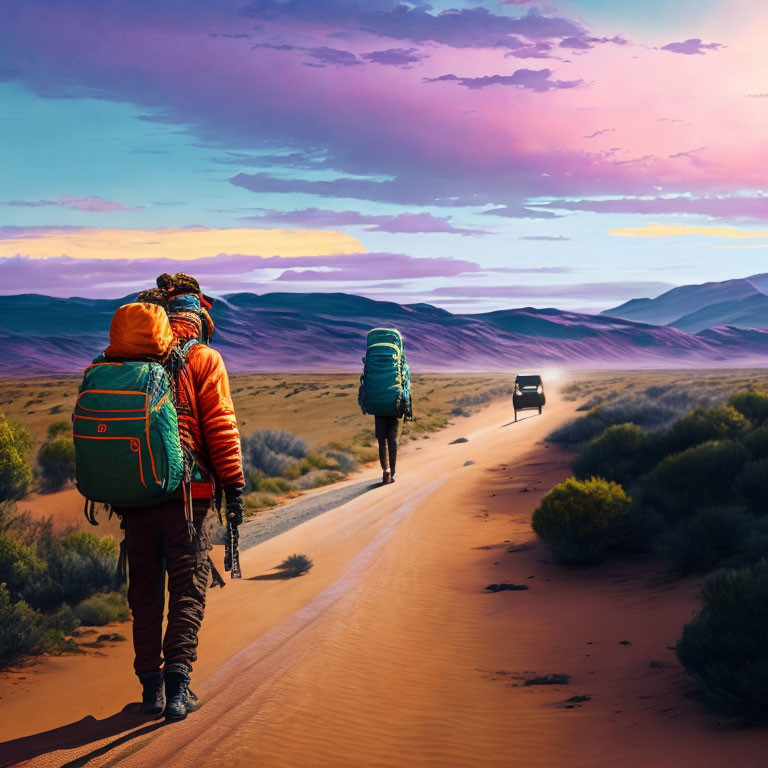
[741, 303]
[285, 332]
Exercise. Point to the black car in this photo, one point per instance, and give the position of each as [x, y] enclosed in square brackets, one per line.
[529, 393]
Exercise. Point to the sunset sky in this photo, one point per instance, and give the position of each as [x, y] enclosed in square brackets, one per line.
[473, 155]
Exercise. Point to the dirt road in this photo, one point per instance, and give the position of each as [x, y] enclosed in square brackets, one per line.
[391, 653]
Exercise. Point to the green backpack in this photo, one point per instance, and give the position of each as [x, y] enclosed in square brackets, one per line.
[126, 432]
[385, 386]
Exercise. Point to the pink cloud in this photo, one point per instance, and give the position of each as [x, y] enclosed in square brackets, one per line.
[375, 122]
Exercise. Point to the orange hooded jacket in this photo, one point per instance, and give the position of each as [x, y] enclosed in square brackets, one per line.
[207, 421]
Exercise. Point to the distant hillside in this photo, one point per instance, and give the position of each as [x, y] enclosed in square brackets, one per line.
[739, 303]
[321, 331]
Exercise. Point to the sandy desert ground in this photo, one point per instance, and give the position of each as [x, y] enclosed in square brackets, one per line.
[390, 652]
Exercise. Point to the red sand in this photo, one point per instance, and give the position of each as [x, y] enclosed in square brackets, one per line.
[390, 652]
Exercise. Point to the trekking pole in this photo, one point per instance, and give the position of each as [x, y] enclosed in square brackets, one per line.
[232, 553]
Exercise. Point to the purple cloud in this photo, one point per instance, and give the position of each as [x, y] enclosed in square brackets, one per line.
[539, 49]
[405, 190]
[395, 57]
[465, 28]
[66, 276]
[599, 133]
[342, 115]
[405, 223]
[90, 204]
[692, 156]
[691, 47]
[585, 42]
[533, 79]
[520, 212]
[736, 207]
[322, 55]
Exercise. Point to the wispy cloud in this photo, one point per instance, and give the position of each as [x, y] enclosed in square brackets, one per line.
[678, 230]
[727, 207]
[395, 57]
[402, 223]
[691, 47]
[89, 204]
[599, 133]
[539, 80]
[545, 238]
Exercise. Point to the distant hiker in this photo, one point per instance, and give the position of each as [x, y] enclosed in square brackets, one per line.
[156, 438]
[385, 392]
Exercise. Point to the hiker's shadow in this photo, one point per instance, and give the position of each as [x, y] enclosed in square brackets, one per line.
[127, 722]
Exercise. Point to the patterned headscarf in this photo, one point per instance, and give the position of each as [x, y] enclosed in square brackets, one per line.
[187, 306]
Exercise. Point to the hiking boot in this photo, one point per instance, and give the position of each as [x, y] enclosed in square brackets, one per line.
[392, 478]
[153, 693]
[386, 478]
[179, 700]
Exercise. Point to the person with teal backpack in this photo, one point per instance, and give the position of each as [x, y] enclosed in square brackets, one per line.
[156, 439]
[385, 392]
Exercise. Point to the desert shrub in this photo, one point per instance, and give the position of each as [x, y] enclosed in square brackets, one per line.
[102, 608]
[751, 403]
[593, 402]
[272, 451]
[63, 619]
[56, 459]
[755, 546]
[77, 565]
[15, 470]
[55, 642]
[756, 442]
[313, 461]
[705, 539]
[704, 424]
[640, 529]
[295, 565]
[261, 484]
[581, 520]
[636, 410]
[61, 428]
[21, 628]
[255, 501]
[622, 453]
[21, 569]
[698, 477]
[751, 484]
[316, 478]
[724, 647]
[344, 462]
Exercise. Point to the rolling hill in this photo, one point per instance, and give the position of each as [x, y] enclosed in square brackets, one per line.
[741, 303]
[283, 332]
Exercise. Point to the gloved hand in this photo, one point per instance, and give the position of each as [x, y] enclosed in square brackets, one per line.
[234, 504]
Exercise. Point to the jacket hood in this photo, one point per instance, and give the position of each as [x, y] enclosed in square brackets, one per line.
[139, 330]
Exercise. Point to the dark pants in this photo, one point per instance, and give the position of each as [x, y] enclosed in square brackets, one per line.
[386, 433]
[158, 543]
